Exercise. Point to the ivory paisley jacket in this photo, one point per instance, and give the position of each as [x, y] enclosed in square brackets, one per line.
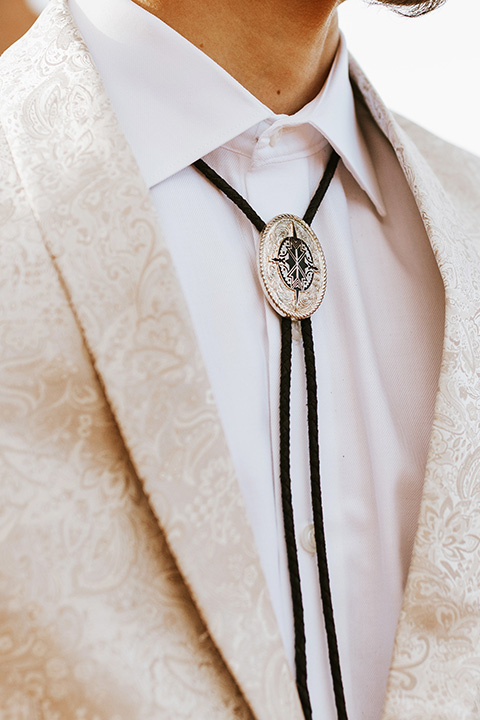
[130, 587]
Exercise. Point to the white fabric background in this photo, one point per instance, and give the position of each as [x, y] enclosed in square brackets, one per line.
[425, 68]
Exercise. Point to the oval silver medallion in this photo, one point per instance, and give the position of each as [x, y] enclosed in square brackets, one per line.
[292, 267]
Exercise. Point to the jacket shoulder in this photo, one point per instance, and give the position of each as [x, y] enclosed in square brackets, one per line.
[457, 169]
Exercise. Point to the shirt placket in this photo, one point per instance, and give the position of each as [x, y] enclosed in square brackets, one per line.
[277, 183]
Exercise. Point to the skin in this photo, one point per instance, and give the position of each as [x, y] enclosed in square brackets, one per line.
[280, 50]
[15, 19]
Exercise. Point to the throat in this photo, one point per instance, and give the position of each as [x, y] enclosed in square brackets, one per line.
[279, 50]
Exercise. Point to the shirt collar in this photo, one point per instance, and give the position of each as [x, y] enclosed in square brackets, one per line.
[332, 112]
[175, 105]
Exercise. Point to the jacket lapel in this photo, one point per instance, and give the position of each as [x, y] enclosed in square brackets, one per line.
[435, 671]
[100, 227]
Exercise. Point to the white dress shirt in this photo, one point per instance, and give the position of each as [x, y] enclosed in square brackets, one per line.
[378, 333]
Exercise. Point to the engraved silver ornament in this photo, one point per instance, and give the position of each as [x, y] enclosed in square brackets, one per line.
[292, 267]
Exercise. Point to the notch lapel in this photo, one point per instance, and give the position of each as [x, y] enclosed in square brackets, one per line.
[435, 672]
[100, 227]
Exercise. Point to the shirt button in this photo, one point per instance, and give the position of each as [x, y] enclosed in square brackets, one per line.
[275, 137]
[308, 539]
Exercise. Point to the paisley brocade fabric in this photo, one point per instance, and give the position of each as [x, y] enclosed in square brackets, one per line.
[96, 620]
[98, 623]
[130, 586]
[435, 670]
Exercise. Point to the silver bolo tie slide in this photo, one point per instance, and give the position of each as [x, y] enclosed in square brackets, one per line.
[292, 267]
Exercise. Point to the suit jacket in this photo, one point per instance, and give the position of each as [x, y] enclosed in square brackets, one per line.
[130, 586]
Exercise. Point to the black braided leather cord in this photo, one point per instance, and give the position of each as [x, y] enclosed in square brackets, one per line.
[285, 479]
[288, 519]
[312, 410]
[231, 193]
[322, 188]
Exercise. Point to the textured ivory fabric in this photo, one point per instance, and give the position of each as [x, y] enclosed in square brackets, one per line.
[378, 333]
[129, 581]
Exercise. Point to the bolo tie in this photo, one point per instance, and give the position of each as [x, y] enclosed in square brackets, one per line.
[293, 275]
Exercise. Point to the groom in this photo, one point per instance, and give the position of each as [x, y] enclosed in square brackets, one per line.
[144, 569]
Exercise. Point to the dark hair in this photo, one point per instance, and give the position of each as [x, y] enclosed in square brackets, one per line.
[412, 8]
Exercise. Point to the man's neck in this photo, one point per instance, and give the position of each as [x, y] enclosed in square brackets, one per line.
[280, 50]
